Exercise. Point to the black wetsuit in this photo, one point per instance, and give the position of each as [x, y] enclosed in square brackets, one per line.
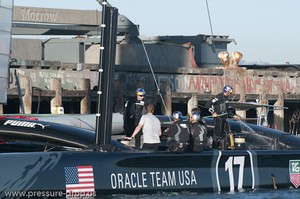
[198, 137]
[219, 106]
[179, 136]
[134, 110]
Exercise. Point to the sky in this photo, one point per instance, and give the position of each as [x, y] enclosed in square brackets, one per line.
[265, 31]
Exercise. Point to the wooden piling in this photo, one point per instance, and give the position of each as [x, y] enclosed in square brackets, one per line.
[167, 97]
[55, 84]
[25, 84]
[261, 90]
[279, 113]
[192, 103]
[85, 106]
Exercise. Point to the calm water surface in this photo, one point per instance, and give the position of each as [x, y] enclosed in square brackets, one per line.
[258, 194]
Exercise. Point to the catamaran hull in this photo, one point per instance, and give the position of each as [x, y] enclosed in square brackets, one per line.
[85, 121]
[137, 172]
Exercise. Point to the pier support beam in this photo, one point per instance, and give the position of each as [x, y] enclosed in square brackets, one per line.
[25, 84]
[279, 113]
[262, 112]
[55, 84]
[192, 103]
[167, 97]
[85, 106]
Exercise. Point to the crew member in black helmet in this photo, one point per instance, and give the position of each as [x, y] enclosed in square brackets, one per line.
[178, 134]
[220, 112]
[134, 109]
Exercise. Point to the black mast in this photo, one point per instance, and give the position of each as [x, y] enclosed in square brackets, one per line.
[106, 75]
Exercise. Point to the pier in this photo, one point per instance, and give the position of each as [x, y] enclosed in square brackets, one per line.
[63, 72]
[46, 85]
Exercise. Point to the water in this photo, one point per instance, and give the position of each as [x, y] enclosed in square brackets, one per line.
[258, 194]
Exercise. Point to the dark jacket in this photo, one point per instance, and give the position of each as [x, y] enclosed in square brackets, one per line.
[179, 136]
[178, 132]
[218, 104]
[198, 135]
[132, 114]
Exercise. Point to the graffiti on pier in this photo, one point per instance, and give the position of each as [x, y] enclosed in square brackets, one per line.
[172, 80]
[42, 78]
[199, 83]
[205, 83]
[294, 122]
[269, 82]
[185, 83]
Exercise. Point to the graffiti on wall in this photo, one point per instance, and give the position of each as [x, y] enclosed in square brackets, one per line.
[294, 122]
[178, 82]
[204, 83]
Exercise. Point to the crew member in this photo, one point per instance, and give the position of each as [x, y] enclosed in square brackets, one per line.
[151, 130]
[134, 109]
[219, 110]
[178, 134]
[198, 133]
[201, 120]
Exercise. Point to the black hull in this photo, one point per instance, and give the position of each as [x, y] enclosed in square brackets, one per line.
[139, 172]
[36, 156]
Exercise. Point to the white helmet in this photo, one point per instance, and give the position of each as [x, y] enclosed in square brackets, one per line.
[177, 115]
[195, 116]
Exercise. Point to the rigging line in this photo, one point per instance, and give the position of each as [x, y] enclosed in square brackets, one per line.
[150, 65]
[154, 78]
[210, 23]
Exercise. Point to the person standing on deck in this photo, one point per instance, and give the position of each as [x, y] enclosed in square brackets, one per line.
[134, 109]
[220, 112]
[151, 130]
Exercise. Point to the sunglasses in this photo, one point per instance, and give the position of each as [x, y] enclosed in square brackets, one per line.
[141, 95]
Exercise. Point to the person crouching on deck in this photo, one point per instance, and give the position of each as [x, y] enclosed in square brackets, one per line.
[198, 133]
[178, 134]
